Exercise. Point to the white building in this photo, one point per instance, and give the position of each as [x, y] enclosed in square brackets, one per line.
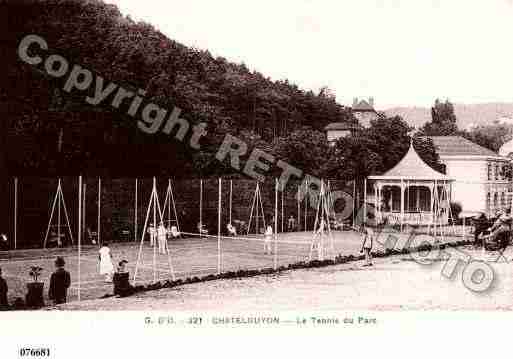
[479, 181]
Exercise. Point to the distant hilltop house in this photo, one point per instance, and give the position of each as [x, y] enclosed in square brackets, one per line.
[479, 174]
[364, 112]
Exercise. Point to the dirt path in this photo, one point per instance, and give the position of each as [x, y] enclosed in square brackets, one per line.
[393, 283]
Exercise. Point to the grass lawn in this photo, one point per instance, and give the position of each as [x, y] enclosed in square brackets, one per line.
[190, 257]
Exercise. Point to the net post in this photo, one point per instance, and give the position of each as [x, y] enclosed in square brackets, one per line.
[276, 224]
[99, 210]
[15, 212]
[154, 192]
[219, 228]
[79, 230]
[135, 212]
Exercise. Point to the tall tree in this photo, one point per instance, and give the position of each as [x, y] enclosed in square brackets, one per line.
[443, 120]
[377, 149]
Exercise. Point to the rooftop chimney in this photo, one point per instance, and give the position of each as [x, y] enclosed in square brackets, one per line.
[371, 101]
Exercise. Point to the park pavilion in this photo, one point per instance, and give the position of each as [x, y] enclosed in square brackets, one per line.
[411, 193]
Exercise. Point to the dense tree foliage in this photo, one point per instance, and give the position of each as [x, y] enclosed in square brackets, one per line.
[443, 120]
[491, 136]
[54, 132]
[443, 123]
[372, 150]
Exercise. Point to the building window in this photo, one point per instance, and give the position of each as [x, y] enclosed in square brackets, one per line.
[503, 199]
[488, 202]
[495, 200]
[497, 171]
[489, 171]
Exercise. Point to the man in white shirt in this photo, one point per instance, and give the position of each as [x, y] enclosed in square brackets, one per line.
[161, 235]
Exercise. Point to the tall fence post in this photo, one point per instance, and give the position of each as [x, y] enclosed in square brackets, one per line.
[276, 223]
[219, 229]
[79, 231]
[15, 212]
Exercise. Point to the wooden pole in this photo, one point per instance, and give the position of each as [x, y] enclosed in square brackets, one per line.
[201, 208]
[169, 203]
[402, 204]
[354, 199]
[154, 194]
[79, 230]
[84, 209]
[364, 201]
[231, 198]
[298, 225]
[15, 212]
[99, 210]
[282, 207]
[276, 224]
[145, 227]
[306, 204]
[59, 193]
[257, 197]
[219, 228]
[135, 212]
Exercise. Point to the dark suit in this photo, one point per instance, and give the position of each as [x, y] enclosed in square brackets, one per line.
[481, 224]
[122, 285]
[59, 284]
[3, 293]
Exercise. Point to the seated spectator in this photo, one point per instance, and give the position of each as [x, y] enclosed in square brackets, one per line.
[121, 280]
[232, 231]
[480, 226]
[4, 243]
[3, 292]
[201, 229]
[502, 222]
[92, 236]
[174, 232]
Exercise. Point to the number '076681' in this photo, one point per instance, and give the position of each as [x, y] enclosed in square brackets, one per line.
[35, 352]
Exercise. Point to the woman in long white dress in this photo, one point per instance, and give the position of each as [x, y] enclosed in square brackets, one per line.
[268, 234]
[106, 266]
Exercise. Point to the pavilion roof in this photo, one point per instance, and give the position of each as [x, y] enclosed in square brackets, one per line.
[412, 167]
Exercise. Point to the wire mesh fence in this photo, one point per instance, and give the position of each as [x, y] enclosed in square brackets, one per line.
[115, 212]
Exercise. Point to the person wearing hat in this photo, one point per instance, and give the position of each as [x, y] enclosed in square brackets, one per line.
[368, 241]
[501, 224]
[60, 281]
[121, 280]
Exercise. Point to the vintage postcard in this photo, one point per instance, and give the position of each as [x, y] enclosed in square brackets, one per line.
[218, 170]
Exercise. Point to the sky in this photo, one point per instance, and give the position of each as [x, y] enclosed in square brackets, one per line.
[401, 52]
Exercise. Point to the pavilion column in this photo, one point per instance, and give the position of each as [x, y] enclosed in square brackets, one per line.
[418, 198]
[375, 200]
[379, 202]
[402, 204]
[432, 202]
